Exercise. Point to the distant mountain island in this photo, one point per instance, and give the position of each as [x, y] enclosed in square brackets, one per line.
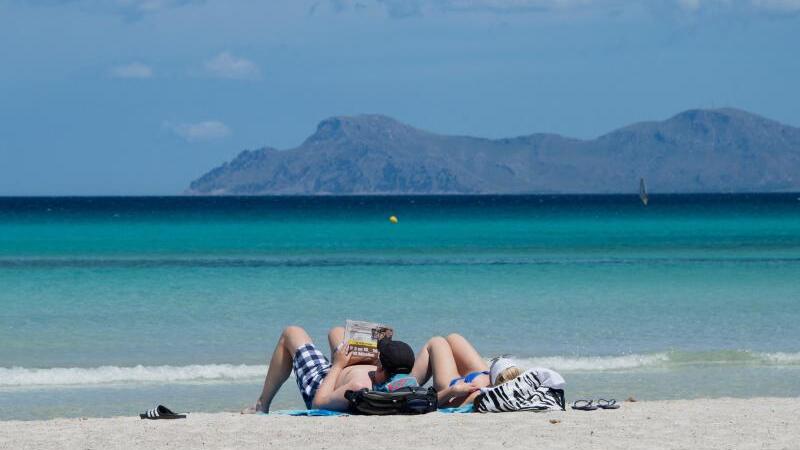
[696, 151]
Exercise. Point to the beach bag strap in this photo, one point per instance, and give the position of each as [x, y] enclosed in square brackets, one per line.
[405, 401]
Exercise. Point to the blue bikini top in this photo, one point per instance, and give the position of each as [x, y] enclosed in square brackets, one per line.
[469, 378]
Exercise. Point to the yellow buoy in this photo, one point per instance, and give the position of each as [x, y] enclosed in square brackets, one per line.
[393, 219]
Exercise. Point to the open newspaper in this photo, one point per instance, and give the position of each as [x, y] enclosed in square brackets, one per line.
[362, 337]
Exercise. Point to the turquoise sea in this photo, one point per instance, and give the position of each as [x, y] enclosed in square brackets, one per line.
[109, 306]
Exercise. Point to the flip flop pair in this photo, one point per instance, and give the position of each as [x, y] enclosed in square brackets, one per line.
[161, 412]
[590, 405]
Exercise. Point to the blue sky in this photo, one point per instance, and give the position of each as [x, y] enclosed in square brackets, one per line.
[141, 96]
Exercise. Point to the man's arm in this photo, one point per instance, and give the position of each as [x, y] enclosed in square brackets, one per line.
[327, 396]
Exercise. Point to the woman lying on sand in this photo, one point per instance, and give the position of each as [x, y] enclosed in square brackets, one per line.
[458, 370]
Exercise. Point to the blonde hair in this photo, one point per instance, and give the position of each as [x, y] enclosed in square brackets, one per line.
[507, 375]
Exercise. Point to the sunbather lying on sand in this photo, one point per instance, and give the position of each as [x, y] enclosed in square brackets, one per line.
[323, 384]
[458, 370]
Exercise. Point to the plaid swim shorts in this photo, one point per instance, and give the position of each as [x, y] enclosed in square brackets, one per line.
[310, 368]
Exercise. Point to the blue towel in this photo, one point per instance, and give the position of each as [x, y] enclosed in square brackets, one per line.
[326, 412]
[459, 410]
[306, 412]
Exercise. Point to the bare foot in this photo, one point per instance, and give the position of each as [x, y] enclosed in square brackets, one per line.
[257, 408]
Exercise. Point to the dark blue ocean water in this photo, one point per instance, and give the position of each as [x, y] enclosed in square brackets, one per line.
[142, 299]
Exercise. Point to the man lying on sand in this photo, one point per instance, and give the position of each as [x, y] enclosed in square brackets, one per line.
[323, 384]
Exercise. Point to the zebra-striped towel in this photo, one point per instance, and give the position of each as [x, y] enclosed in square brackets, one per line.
[534, 390]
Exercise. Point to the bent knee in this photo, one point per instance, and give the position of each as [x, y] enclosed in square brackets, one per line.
[436, 340]
[454, 337]
[292, 330]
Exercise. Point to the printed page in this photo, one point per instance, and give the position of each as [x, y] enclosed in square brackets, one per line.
[362, 337]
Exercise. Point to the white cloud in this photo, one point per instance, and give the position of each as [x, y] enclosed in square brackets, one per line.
[200, 131]
[226, 65]
[132, 70]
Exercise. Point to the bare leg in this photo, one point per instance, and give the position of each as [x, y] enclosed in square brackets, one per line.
[335, 337]
[466, 357]
[435, 359]
[280, 366]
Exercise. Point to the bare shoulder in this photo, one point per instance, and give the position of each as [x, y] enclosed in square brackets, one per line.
[356, 377]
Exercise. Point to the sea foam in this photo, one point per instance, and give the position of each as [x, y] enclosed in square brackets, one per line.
[21, 377]
[594, 363]
[666, 360]
[78, 376]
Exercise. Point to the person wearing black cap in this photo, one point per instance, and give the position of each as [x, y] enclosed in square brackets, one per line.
[323, 384]
[396, 361]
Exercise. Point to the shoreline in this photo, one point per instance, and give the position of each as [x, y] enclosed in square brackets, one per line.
[765, 422]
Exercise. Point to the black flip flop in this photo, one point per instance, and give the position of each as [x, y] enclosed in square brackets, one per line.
[584, 405]
[607, 404]
[161, 412]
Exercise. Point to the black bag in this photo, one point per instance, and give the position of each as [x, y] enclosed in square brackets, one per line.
[407, 400]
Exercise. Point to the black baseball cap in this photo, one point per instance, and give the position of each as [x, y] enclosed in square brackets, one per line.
[396, 356]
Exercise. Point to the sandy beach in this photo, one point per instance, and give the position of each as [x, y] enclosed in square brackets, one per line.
[771, 423]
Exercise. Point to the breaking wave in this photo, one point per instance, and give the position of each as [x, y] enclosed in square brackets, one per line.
[665, 360]
[21, 377]
[77, 376]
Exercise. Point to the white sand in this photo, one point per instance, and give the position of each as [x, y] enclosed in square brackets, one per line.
[721, 423]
